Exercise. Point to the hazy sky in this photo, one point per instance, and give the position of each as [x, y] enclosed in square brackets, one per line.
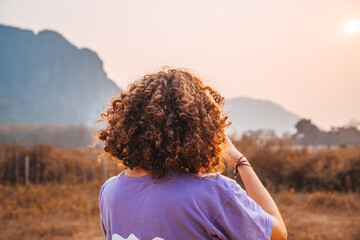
[294, 53]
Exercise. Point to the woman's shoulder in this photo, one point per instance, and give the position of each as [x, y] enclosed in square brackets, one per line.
[107, 182]
[210, 191]
[211, 181]
[218, 180]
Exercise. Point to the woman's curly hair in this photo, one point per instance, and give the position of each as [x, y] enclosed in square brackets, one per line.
[167, 121]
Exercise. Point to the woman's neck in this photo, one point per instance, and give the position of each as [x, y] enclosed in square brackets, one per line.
[136, 172]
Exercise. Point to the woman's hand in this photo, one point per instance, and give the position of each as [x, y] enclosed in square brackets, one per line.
[232, 154]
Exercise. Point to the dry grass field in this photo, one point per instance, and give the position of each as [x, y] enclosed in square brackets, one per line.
[318, 192]
[52, 211]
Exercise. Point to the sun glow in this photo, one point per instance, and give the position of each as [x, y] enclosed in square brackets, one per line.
[352, 26]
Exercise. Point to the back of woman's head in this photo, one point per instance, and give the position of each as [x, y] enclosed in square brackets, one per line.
[167, 121]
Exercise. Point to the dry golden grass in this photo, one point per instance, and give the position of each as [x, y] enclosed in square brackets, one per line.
[278, 163]
[71, 212]
[320, 215]
[50, 211]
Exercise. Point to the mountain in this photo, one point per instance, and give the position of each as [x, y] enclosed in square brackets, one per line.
[253, 114]
[45, 79]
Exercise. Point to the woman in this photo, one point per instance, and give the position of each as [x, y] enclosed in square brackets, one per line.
[167, 129]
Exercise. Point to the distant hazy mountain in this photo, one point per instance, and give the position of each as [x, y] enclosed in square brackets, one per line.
[45, 79]
[252, 114]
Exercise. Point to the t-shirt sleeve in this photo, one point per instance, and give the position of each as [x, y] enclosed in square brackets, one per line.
[101, 210]
[240, 217]
[101, 205]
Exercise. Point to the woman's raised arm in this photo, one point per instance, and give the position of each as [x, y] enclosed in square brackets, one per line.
[256, 190]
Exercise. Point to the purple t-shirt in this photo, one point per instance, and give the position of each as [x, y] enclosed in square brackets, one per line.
[184, 206]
